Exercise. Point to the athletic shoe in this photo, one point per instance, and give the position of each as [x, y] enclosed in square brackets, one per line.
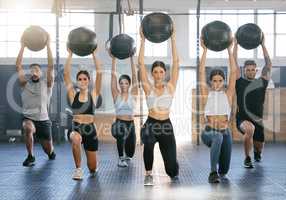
[52, 156]
[257, 156]
[77, 174]
[148, 181]
[214, 178]
[29, 161]
[127, 158]
[93, 173]
[122, 163]
[175, 179]
[248, 163]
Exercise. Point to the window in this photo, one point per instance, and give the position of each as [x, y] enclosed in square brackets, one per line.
[266, 23]
[281, 34]
[12, 25]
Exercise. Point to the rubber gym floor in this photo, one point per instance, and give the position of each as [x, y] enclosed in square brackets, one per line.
[52, 179]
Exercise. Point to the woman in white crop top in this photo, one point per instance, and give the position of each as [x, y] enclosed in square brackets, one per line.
[217, 100]
[158, 127]
[123, 129]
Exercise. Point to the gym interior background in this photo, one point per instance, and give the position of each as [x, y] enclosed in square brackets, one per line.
[102, 16]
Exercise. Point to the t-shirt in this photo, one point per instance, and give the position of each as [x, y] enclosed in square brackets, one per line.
[250, 98]
[36, 99]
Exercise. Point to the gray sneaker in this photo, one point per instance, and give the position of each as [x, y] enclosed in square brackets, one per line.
[122, 163]
[148, 181]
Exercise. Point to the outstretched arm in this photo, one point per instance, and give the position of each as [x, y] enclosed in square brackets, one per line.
[135, 86]
[114, 86]
[232, 75]
[67, 77]
[266, 71]
[235, 48]
[19, 67]
[50, 70]
[98, 79]
[143, 72]
[175, 67]
[202, 71]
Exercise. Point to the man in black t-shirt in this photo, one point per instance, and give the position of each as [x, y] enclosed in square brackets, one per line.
[250, 100]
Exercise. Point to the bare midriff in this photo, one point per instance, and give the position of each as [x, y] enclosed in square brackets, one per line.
[219, 122]
[125, 117]
[159, 113]
[83, 118]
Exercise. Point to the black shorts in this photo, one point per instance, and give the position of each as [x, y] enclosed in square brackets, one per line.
[88, 135]
[43, 129]
[258, 132]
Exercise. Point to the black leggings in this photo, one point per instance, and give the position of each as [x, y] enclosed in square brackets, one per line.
[160, 131]
[124, 133]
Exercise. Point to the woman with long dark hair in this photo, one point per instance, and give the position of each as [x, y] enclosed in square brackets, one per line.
[158, 127]
[83, 106]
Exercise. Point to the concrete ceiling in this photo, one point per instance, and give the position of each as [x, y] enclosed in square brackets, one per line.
[168, 5]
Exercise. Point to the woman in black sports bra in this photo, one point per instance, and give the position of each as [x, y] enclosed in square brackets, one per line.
[83, 106]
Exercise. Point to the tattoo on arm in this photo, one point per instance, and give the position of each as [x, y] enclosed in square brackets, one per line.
[267, 68]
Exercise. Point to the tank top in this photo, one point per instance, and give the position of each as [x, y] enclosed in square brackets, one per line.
[163, 101]
[123, 107]
[36, 99]
[87, 107]
[217, 104]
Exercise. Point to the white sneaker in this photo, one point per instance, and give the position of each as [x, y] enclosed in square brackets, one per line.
[122, 163]
[127, 158]
[148, 181]
[77, 174]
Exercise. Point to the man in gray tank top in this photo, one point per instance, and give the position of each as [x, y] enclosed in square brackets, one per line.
[36, 94]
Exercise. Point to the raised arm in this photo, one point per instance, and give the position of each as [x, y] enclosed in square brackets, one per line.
[135, 86]
[67, 78]
[114, 86]
[175, 66]
[235, 48]
[142, 68]
[50, 70]
[266, 71]
[232, 75]
[98, 79]
[202, 71]
[19, 67]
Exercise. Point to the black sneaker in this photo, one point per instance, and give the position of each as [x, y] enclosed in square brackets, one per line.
[52, 156]
[257, 156]
[175, 179]
[248, 163]
[29, 161]
[214, 178]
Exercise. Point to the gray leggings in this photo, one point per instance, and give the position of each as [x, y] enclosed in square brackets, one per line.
[220, 148]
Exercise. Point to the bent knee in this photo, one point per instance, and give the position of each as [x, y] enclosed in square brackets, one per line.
[76, 138]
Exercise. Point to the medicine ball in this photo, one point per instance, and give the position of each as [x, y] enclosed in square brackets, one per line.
[216, 35]
[157, 27]
[82, 41]
[35, 38]
[122, 46]
[249, 36]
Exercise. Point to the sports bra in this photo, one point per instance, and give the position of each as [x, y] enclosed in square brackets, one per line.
[163, 101]
[217, 104]
[123, 107]
[87, 107]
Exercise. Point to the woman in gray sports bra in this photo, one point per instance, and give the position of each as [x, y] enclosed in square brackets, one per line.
[158, 127]
[123, 129]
